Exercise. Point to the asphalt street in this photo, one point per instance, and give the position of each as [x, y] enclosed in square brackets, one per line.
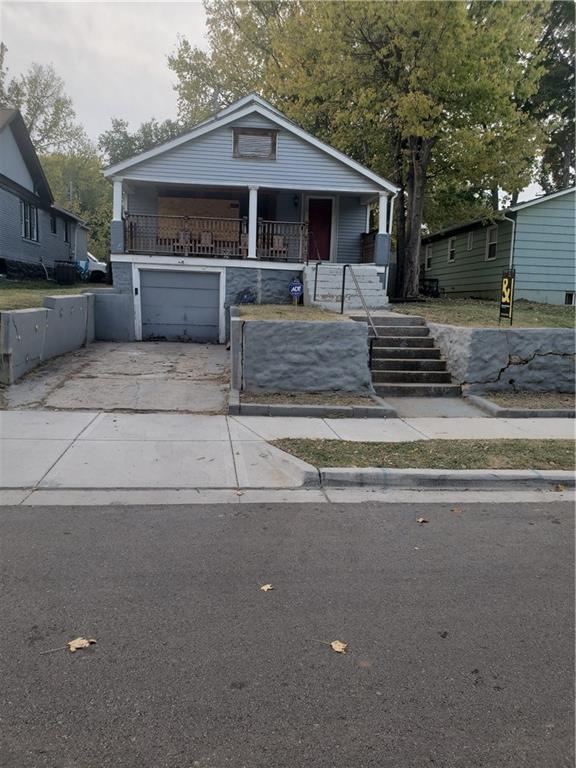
[460, 633]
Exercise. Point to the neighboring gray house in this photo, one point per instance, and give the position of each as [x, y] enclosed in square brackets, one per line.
[536, 238]
[34, 233]
[238, 204]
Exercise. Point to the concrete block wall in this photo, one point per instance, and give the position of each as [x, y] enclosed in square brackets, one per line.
[30, 336]
[508, 359]
[299, 356]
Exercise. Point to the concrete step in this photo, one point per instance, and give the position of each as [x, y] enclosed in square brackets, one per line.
[417, 390]
[403, 341]
[406, 353]
[405, 364]
[398, 321]
[403, 330]
[411, 377]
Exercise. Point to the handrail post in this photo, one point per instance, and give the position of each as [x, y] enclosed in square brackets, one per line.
[316, 278]
[343, 288]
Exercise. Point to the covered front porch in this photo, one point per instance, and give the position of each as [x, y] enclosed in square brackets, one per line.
[277, 225]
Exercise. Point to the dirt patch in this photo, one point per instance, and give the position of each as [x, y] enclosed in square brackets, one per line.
[532, 400]
[288, 312]
[305, 398]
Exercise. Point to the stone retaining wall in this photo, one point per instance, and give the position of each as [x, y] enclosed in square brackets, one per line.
[508, 359]
[299, 356]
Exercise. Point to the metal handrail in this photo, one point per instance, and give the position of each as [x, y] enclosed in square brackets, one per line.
[360, 294]
[318, 264]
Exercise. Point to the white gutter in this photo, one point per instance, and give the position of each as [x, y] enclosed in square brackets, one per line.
[512, 241]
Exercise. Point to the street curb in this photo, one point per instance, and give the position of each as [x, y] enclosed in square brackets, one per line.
[520, 413]
[237, 408]
[412, 479]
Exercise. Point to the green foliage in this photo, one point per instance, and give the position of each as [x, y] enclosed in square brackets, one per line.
[118, 143]
[77, 184]
[47, 111]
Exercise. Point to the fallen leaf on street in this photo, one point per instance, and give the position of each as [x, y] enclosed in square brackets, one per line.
[78, 643]
[339, 646]
[421, 520]
[560, 488]
[266, 587]
[456, 510]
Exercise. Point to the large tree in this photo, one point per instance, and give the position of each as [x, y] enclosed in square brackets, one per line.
[426, 93]
[118, 143]
[47, 110]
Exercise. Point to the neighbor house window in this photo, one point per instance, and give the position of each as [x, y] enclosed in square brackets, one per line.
[451, 249]
[53, 225]
[29, 214]
[428, 258]
[66, 231]
[491, 242]
[470, 241]
[255, 143]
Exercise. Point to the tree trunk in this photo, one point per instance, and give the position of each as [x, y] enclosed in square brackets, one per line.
[514, 199]
[400, 211]
[420, 152]
[495, 199]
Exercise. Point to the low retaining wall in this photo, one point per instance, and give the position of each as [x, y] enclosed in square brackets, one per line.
[30, 336]
[299, 356]
[508, 360]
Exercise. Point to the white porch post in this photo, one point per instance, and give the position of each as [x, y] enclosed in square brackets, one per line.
[391, 217]
[252, 221]
[383, 213]
[368, 209]
[117, 201]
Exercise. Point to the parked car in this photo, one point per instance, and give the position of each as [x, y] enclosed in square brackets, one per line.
[92, 270]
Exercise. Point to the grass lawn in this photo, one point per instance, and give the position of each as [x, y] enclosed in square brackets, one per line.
[535, 400]
[484, 314]
[287, 312]
[305, 398]
[29, 294]
[436, 454]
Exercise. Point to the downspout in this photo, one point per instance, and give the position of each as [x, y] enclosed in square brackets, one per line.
[512, 241]
[391, 213]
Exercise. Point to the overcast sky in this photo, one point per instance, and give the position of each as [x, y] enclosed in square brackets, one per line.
[111, 55]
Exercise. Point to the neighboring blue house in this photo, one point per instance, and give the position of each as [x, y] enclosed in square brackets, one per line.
[34, 233]
[536, 238]
[238, 204]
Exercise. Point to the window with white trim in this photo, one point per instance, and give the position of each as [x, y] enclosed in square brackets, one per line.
[491, 242]
[29, 215]
[569, 298]
[470, 242]
[254, 143]
[451, 250]
[428, 258]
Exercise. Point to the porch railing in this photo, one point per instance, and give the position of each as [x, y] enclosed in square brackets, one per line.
[282, 241]
[219, 238]
[186, 236]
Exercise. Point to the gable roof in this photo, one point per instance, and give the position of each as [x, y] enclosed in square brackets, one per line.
[13, 119]
[252, 104]
[494, 218]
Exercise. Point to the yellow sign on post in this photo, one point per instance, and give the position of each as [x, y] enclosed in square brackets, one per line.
[507, 295]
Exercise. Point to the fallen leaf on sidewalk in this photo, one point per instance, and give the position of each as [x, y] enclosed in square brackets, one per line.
[560, 488]
[266, 587]
[457, 510]
[338, 646]
[421, 520]
[78, 643]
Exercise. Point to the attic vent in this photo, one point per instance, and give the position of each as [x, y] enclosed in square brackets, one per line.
[255, 143]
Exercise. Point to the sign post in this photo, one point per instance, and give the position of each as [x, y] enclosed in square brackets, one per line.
[296, 290]
[507, 295]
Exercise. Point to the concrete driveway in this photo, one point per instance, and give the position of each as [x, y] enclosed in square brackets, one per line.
[148, 376]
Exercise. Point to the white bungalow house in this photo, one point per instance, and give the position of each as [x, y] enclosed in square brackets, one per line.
[238, 205]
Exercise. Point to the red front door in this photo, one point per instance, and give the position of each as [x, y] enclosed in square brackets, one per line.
[319, 228]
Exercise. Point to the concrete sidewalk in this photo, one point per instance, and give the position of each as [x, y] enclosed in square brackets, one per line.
[88, 450]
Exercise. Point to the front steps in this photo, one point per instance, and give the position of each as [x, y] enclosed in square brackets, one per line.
[329, 287]
[405, 361]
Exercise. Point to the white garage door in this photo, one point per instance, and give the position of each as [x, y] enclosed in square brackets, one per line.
[180, 306]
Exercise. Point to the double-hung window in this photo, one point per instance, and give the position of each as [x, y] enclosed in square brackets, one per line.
[491, 242]
[29, 216]
[428, 258]
[66, 231]
[451, 250]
